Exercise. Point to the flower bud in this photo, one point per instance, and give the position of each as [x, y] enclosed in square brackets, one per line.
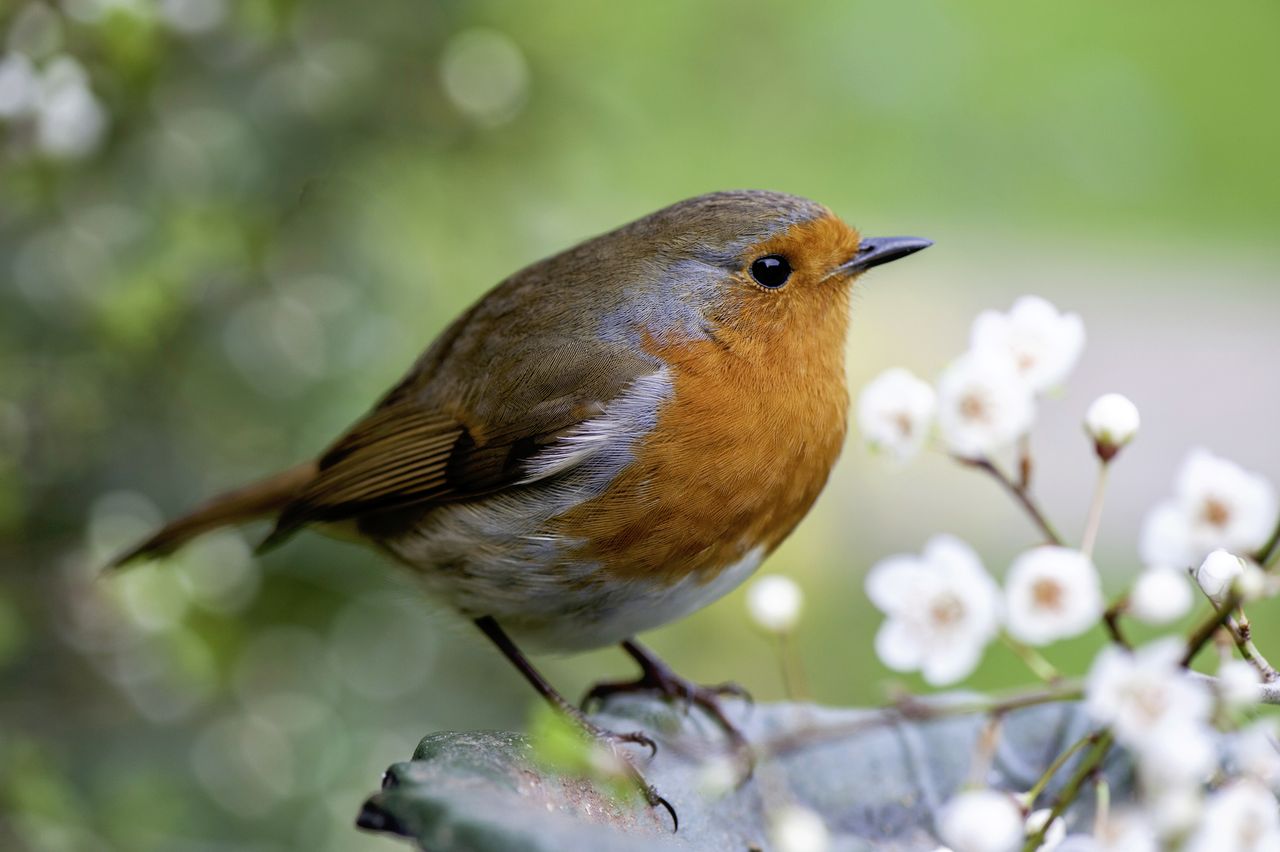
[1112, 421]
[1218, 573]
[797, 829]
[774, 602]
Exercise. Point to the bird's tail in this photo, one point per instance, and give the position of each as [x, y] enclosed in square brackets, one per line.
[263, 498]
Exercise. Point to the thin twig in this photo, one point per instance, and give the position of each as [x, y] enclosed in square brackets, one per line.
[1058, 762]
[1020, 494]
[1033, 659]
[1095, 512]
[916, 709]
[1025, 465]
[794, 681]
[1091, 762]
[1111, 620]
[1202, 634]
[1269, 554]
[1102, 813]
[1242, 634]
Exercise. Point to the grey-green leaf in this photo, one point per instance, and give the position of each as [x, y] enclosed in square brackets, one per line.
[877, 780]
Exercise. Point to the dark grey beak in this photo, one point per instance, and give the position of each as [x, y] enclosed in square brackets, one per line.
[873, 251]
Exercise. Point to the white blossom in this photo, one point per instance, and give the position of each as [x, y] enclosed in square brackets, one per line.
[1053, 836]
[1145, 694]
[70, 122]
[1040, 343]
[1255, 752]
[1173, 809]
[1160, 596]
[1242, 817]
[1180, 757]
[19, 86]
[1052, 593]
[1219, 573]
[1112, 421]
[774, 603]
[193, 16]
[895, 412]
[794, 828]
[983, 406]
[485, 75]
[1123, 832]
[942, 609]
[1216, 505]
[1238, 683]
[981, 821]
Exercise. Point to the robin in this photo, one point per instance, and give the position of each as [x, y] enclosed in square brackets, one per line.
[609, 440]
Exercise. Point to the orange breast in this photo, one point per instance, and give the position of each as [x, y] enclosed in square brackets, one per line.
[739, 452]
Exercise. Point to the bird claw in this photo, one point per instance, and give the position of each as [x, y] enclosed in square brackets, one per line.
[633, 737]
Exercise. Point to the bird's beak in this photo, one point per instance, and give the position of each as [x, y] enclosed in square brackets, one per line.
[873, 251]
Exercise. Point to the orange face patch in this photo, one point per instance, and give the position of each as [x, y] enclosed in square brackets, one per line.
[755, 421]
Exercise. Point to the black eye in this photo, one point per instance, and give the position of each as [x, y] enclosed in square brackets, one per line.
[771, 271]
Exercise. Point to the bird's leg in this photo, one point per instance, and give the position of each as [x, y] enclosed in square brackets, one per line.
[657, 676]
[489, 627]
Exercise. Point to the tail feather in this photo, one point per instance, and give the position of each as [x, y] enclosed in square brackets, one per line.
[260, 499]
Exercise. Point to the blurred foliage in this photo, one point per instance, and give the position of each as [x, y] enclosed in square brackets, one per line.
[226, 226]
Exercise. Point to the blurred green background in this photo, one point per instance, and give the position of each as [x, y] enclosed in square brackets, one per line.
[226, 227]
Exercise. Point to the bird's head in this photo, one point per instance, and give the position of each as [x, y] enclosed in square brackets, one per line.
[750, 268]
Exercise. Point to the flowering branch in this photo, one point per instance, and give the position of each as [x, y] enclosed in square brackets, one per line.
[1019, 493]
[942, 609]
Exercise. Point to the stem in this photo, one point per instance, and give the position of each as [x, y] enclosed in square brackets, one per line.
[1269, 555]
[794, 682]
[1020, 494]
[984, 753]
[1059, 762]
[1202, 634]
[1069, 793]
[1111, 620]
[1095, 511]
[1102, 813]
[1242, 634]
[1033, 659]
[1024, 462]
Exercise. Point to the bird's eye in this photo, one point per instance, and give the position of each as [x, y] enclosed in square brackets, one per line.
[771, 271]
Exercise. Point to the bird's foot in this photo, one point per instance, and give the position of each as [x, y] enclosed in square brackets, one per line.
[657, 676]
[613, 741]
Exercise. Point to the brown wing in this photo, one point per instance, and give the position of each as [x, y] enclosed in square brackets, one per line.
[417, 450]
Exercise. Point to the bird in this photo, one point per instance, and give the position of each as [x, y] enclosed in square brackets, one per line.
[607, 441]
